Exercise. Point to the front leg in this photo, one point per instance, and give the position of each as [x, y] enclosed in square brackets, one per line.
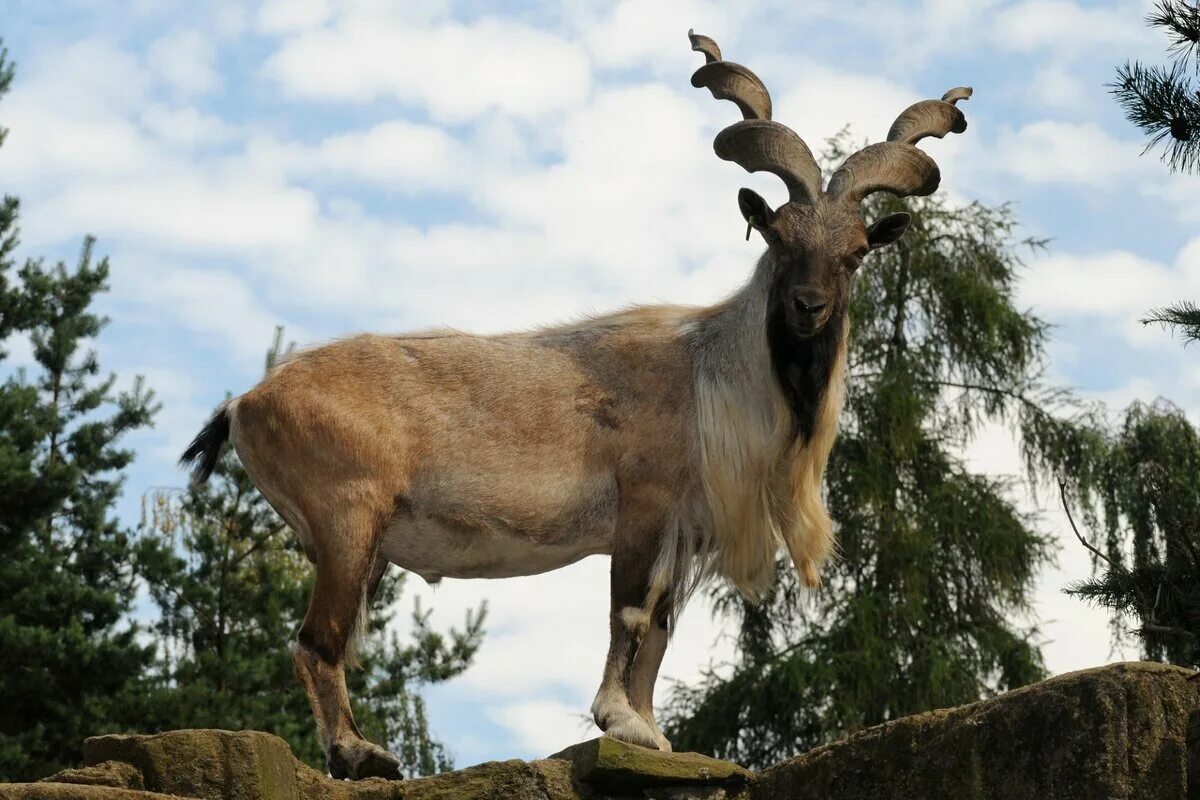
[629, 621]
[644, 673]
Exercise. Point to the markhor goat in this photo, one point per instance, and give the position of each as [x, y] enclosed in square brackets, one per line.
[684, 442]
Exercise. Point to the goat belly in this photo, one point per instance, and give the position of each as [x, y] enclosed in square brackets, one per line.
[533, 526]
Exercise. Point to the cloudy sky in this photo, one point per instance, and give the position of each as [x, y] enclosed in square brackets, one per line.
[367, 165]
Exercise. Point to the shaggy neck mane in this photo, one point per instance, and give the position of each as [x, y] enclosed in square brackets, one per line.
[767, 405]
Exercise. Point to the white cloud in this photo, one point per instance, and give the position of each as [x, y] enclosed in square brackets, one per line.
[1114, 289]
[186, 59]
[1189, 261]
[542, 726]
[1120, 397]
[18, 351]
[1085, 157]
[921, 31]
[1112, 284]
[912, 33]
[287, 16]
[637, 33]
[1117, 288]
[85, 75]
[70, 113]
[92, 114]
[230, 19]
[48, 146]
[456, 71]
[177, 392]
[1057, 86]
[1060, 24]
[218, 309]
[628, 197]
[1050, 151]
[821, 101]
[1178, 191]
[185, 126]
[1074, 635]
[186, 209]
[402, 155]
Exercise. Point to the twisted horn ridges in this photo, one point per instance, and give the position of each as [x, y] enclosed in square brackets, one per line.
[897, 166]
[958, 93]
[760, 145]
[756, 143]
[729, 81]
[703, 44]
[930, 118]
[894, 167]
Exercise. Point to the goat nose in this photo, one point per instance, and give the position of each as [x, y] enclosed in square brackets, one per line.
[810, 301]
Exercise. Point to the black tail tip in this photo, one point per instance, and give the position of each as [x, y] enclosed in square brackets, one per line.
[202, 454]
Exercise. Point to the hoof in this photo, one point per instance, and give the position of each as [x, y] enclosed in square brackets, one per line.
[633, 729]
[660, 740]
[360, 759]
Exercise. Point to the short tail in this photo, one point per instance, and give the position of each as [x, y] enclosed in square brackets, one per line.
[202, 454]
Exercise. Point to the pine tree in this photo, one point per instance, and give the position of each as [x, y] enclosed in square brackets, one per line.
[8, 224]
[1149, 506]
[232, 586]
[1165, 104]
[1161, 100]
[68, 661]
[1147, 501]
[923, 608]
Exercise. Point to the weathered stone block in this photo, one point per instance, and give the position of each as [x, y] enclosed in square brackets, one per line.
[607, 762]
[117, 774]
[1120, 732]
[206, 764]
[74, 791]
[1100, 734]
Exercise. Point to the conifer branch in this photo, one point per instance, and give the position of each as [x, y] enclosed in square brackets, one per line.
[1181, 21]
[1161, 100]
[1184, 315]
[1062, 490]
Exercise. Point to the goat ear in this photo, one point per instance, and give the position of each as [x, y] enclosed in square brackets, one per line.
[886, 230]
[755, 211]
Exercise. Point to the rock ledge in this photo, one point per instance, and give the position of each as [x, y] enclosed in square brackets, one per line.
[1120, 731]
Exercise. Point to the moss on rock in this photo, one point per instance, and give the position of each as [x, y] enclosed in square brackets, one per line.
[607, 762]
[1111, 732]
[1120, 731]
[74, 791]
[118, 774]
[207, 764]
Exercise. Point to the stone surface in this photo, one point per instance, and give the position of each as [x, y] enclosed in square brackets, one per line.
[207, 764]
[606, 762]
[117, 774]
[1120, 732]
[74, 791]
[1100, 734]
[494, 780]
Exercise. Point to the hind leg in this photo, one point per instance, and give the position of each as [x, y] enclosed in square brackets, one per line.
[345, 566]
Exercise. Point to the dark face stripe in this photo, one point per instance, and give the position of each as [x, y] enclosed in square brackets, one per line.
[802, 365]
